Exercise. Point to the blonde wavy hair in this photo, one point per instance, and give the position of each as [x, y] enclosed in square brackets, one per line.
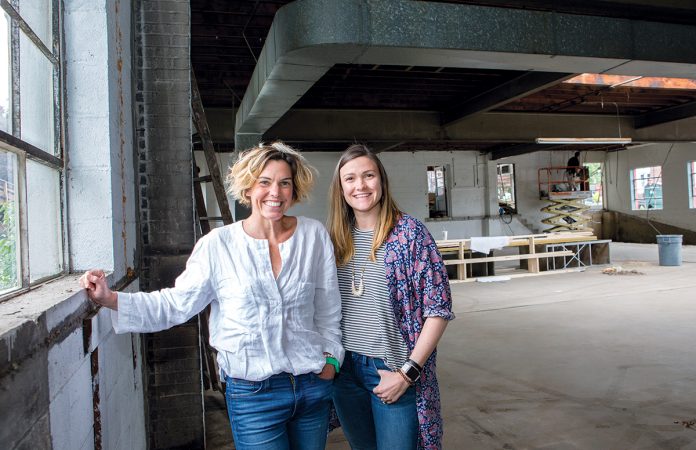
[242, 175]
[342, 218]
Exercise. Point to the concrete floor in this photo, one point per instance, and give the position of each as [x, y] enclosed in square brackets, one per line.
[573, 361]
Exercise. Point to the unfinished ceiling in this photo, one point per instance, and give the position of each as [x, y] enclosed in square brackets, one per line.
[228, 37]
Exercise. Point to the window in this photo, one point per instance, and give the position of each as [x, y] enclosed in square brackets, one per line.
[437, 192]
[594, 175]
[691, 169]
[646, 188]
[31, 237]
[506, 186]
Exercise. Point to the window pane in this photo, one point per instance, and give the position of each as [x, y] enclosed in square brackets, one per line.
[44, 221]
[646, 188]
[692, 183]
[37, 13]
[594, 171]
[9, 223]
[36, 96]
[506, 185]
[5, 75]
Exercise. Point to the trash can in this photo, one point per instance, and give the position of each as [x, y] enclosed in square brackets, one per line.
[669, 249]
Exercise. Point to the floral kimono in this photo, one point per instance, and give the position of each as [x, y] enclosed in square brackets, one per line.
[419, 288]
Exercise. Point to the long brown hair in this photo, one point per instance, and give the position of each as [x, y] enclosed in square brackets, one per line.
[342, 218]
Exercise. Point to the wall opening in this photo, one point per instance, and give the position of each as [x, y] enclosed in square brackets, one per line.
[438, 205]
[595, 175]
[507, 196]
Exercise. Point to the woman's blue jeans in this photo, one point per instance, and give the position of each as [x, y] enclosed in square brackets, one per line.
[367, 423]
[279, 413]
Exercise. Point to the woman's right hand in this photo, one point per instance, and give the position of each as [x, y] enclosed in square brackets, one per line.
[94, 281]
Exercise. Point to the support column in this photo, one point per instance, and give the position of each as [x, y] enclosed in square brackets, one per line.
[165, 183]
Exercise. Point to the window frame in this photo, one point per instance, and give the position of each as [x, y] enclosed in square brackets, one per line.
[635, 200]
[588, 167]
[691, 173]
[445, 186]
[13, 143]
[513, 185]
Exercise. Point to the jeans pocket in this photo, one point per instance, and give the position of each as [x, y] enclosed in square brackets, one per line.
[315, 376]
[379, 364]
[238, 388]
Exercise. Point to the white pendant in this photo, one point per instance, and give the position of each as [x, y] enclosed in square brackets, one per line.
[357, 292]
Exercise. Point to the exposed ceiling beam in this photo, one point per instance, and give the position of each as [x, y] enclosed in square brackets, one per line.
[526, 84]
[307, 38]
[322, 125]
[505, 151]
[666, 115]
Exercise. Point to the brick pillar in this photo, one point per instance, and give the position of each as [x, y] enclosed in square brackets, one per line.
[165, 183]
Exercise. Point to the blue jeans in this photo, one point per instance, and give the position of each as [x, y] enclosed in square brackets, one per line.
[369, 424]
[279, 413]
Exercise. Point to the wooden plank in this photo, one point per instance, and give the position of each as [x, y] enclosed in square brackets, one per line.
[525, 274]
[450, 262]
[533, 264]
[451, 246]
[461, 269]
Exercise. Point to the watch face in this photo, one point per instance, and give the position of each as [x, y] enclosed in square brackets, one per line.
[411, 372]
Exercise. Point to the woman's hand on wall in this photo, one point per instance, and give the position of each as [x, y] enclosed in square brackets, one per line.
[94, 281]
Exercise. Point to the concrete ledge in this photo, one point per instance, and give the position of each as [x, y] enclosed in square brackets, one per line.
[40, 318]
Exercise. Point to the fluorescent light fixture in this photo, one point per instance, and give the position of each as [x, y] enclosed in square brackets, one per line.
[568, 140]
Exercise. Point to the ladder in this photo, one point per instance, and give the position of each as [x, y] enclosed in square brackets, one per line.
[211, 379]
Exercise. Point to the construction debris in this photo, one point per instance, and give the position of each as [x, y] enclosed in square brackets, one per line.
[618, 270]
[687, 423]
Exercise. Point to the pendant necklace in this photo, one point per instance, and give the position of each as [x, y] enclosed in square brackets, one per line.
[357, 291]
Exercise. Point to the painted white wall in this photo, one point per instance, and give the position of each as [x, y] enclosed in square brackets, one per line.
[675, 188]
[100, 194]
[99, 176]
[474, 204]
[470, 199]
[120, 383]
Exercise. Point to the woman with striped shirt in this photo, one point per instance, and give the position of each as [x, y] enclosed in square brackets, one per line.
[396, 303]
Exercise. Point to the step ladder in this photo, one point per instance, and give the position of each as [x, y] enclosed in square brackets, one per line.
[211, 379]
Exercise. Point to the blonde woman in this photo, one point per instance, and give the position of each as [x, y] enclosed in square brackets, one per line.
[275, 308]
[396, 304]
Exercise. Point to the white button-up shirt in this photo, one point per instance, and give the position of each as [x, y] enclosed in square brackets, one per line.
[260, 325]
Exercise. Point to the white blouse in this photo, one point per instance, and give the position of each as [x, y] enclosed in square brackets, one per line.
[259, 325]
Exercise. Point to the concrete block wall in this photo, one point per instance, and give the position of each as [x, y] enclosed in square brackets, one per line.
[675, 187]
[167, 227]
[66, 380]
[469, 195]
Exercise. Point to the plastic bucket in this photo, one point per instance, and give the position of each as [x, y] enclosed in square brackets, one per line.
[669, 249]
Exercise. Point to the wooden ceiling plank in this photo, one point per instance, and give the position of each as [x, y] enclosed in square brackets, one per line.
[525, 84]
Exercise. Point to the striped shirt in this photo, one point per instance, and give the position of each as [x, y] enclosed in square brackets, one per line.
[368, 322]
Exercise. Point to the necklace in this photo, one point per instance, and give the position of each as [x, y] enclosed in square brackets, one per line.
[357, 291]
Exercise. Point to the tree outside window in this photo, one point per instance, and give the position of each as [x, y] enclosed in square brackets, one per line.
[594, 170]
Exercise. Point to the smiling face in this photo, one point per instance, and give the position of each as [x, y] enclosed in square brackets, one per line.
[272, 193]
[362, 186]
